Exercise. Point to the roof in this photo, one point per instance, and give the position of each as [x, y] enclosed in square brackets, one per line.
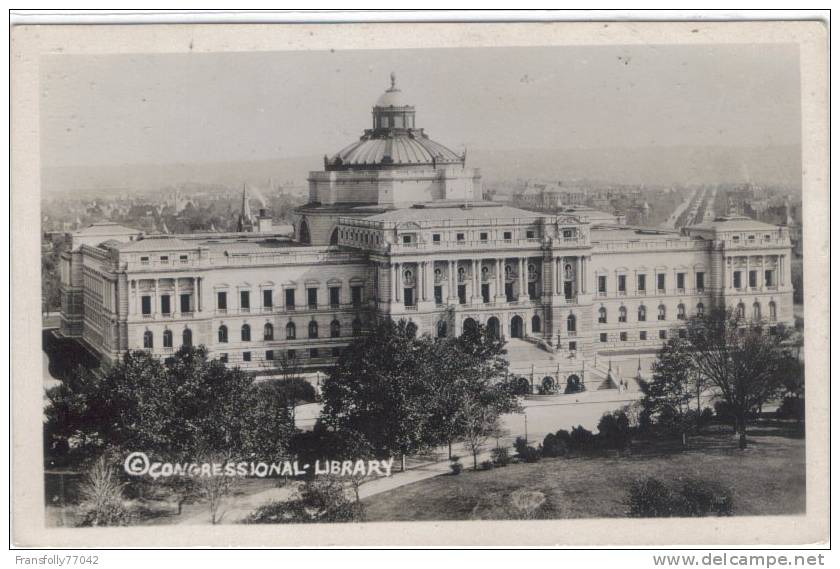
[733, 223]
[400, 148]
[155, 244]
[106, 228]
[455, 212]
[626, 233]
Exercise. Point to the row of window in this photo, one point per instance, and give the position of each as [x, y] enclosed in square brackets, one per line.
[311, 297]
[168, 338]
[642, 283]
[185, 300]
[164, 259]
[752, 278]
[641, 313]
[291, 331]
[272, 355]
[643, 335]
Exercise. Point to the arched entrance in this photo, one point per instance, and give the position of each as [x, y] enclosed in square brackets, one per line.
[536, 324]
[573, 384]
[494, 327]
[469, 325]
[549, 386]
[334, 237]
[516, 330]
[522, 386]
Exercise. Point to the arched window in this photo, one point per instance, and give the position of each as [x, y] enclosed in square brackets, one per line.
[571, 323]
[568, 271]
[303, 233]
[186, 337]
[622, 314]
[167, 338]
[772, 311]
[536, 324]
[335, 329]
[246, 333]
[223, 334]
[740, 311]
[602, 315]
[148, 340]
[681, 311]
[662, 312]
[642, 314]
[756, 311]
[441, 329]
[290, 331]
[701, 309]
[268, 331]
[334, 237]
[313, 329]
[357, 327]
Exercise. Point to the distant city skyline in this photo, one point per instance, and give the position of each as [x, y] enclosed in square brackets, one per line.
[237, 107]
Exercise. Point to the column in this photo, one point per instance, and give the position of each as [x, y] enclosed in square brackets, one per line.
[175, 303]
[500, 280]
[398, 281]
[422, 278]
[747, 284]
[558, 275]
[523, 267]
[584, 267]
[198, 291]
[578, 276]
[156, 307]
[783, 278]
[476, 291]
[761, 276]
[393, 283]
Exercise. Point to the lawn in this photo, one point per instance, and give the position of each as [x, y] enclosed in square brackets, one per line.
[768, 478]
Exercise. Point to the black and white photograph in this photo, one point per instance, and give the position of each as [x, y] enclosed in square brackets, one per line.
[335, 281]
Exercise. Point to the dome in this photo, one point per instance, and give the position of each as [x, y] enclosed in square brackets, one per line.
[392, 97]
[399, 150]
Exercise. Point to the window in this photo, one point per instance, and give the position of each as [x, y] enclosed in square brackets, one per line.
[772, 311]
[436, 238]
[186, 337]
[660, 282]
[356, 295]
[245, 333]
[144, 260]
[740, 311]
[269, 355]
[483, 236]
[186, 303]
[681, 281]
[290, 299]
[312, 298]
[602, 315]
[622, 336]
[622, 314]
[245, 300]
[642, 335]
[571, 323]
[602, 285]
[768, 278]
[438, 294]
[268, 331]
[736, 239]
[184, 258]
[663, 334]
[246, 356]
[641, 284]
[572, 346]
[700, 280]
[165, 304]
[223, 334]
[642, 314]
[508, 235]
[167, 338]
[459, 237]
[753, 278]
[736, 279]
[406, 239]
[661, 315]
[223, 358]
[701, 309]
[335, 329]
[756, 311]
[622, 284]
[290, 331]
[603, 337]
[268, 298]
[681, 311]
[335, 296]
[164, 259]
[146, 305]
[357, 327]
[148, 340]
[485, 293]
[313, 353]
[221, 300]
[529, 234]
[313, 329]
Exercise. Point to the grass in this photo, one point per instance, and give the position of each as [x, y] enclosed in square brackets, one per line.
[768, 478]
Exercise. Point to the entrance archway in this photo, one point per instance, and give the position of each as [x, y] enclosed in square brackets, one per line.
[494, 327]
[469, 325]
[516, 330]
[522, 386]
[536, 324]
[573, 384]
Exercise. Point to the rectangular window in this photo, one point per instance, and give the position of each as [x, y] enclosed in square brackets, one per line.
[356, 295]
[572, 346]
[459, 237]
[681, 281]
[509, 292]
[290, 299]
[186, 304]
[768, 278]
[438, 294]
[165, 304]
[602, 284]
[246, 356]
[660, 282]
[753, 279]
[312, 298]
[642, 335]
[146, 305]
[642, 283]
[508, 235]
[406, 239]
[268, 298]
[663, 334]
[483, 236]
[223, 358]
[184, 258]
[291, 354]
[164, 259]
[221, 300]
[313, 353]
[736, 279]
[529, 234]
[485, 293]
[144, 260]
[700, 281]
[622, 284]
[532, 290]
[462, 294]
[622, 336]
[335, 296]
[603, 337]
[269, 355]
[436, 238]
[245, 300]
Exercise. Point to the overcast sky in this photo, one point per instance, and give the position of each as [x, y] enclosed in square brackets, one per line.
[251, 106]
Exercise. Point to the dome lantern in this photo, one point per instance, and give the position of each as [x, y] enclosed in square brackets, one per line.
[391, 111]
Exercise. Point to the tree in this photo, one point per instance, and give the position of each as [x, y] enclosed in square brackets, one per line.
[668, 395]
[745, 362]
[102, 497]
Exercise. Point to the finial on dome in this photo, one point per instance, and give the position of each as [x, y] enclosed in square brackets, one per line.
[393, 81]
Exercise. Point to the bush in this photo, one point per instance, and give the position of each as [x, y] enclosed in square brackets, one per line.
[614, 430]
[501, 456]
[102, 496]
[487, 465]
[652, 498]
[553, 447]
[564, 436]
[531, 454]
[706, 416]
[792, 407]
[520, 444]
[581, 440]
[455, 465]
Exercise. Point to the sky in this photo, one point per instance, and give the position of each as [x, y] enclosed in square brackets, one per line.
[126, 109]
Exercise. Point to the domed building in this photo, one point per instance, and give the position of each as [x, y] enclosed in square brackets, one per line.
[394, 164]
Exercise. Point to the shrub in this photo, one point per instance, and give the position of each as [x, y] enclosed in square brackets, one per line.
[487, 465]
[724, 412]
[102, 497]
[564, 437]
[531, 454]
[501, 456]
[553, 447]
[706, 416]
[792, 407]
[581, 440]
[614, 430]
[455, 465]
[652, 498]
[520, 444]
[706, 498]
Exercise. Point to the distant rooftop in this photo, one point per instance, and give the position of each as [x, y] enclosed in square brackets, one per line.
[733, 223]
[455, 211]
